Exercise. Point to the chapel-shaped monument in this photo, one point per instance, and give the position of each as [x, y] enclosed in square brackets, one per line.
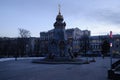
[59, 48]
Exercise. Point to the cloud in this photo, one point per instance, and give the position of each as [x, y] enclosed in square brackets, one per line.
[107, 16]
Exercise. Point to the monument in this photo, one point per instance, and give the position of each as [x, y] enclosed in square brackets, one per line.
[58, 46]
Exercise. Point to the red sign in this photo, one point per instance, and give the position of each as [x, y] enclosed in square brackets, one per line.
[110, 34]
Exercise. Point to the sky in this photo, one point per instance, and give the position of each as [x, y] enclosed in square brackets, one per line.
[98, 16]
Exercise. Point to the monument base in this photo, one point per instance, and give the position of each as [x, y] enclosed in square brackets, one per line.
[59, 60]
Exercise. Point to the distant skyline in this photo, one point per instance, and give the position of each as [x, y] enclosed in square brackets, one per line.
[98, 16]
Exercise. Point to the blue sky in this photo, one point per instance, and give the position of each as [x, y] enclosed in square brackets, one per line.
[99, 16]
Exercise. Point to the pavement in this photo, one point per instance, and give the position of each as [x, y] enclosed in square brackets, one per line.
[24, 69]
[19, 58]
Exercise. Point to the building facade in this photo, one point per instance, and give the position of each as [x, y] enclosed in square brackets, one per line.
[97, 41]
[73, 36]
[11, 47]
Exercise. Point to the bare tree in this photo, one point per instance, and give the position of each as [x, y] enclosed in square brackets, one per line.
[24, 33]
[23, 41]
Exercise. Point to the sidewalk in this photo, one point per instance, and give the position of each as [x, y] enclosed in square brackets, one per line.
[19, 58]
[6, 59]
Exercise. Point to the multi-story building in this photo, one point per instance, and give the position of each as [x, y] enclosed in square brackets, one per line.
[33, 47]
[73, 35]
[95, 44]
[97, 41]
[116, 44]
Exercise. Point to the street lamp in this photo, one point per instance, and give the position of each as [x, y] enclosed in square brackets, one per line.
[111, 49]
[27, 49]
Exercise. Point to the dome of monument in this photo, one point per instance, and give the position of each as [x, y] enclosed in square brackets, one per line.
[59, 17]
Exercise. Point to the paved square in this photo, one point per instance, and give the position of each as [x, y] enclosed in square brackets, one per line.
[26, 70]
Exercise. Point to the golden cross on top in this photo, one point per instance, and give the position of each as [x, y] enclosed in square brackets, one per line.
[59, 8]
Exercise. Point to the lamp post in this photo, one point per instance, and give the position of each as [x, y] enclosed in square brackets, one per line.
[111, 49]
[26, 49]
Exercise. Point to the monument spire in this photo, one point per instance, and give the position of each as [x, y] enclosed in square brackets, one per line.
[59, 9]
[59, 20]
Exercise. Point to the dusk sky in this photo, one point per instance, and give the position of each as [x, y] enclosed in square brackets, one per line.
[98, 16]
